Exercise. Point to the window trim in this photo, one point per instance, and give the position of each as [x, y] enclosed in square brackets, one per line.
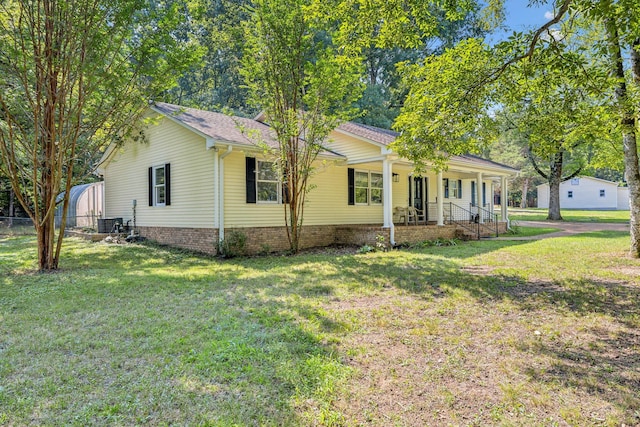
[154, 187]
[452, 188]
[258, 181]
[603, 193]
[353, 186]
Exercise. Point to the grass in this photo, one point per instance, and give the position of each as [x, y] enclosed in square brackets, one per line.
[570, 215]
[481, 333]
[521, 231]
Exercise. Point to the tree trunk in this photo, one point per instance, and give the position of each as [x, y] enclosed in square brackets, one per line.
[628, 124]
[555, 178]
[525, 190]
[632, 167]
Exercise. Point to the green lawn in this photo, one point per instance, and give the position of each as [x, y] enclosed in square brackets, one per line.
[534, 333]
[520, 231]
[570, 215]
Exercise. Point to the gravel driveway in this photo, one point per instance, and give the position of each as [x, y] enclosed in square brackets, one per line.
[567, 228]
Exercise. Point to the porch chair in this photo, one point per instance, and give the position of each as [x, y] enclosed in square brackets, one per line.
[414, 215]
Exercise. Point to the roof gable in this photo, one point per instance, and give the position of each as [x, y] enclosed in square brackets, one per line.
[217, 126]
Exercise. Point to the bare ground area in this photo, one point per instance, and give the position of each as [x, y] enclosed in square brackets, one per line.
[518, 354]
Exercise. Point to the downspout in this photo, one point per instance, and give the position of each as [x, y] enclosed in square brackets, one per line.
[220, 203]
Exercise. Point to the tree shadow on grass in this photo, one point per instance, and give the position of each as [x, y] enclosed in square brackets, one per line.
[603, 362]
[248, 341]
[158, 336]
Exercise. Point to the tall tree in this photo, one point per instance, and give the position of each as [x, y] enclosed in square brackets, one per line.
[216, 83]
[74, 75]
[305, 81]
[511, 147]
[561, 122]
[591, 65]
[384, 93]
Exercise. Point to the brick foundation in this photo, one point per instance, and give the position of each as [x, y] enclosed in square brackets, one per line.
[274, 239]
[419, 233]
[203, 240]
[360, 234]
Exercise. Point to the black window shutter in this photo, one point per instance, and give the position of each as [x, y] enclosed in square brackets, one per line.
[167, 184]
[251, 179]
[473, 193]
[484, 194]
[446, 188]
[459, 189]
[150, 186]
[351, 174]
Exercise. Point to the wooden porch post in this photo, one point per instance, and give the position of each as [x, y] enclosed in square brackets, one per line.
[440, 195]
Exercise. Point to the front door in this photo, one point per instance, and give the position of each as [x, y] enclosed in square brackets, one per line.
[418, 195]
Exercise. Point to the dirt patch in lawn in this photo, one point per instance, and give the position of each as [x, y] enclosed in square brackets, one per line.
[523, 357]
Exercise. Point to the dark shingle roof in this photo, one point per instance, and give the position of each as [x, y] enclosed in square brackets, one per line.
[480, 161]
[386, 137]
[224, 128]
[237, 130]
[220, 127]
[372, 133]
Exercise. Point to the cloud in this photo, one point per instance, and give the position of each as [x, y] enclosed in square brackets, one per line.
[548, 15]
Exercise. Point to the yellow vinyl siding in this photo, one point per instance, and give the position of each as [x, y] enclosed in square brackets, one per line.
[354, 149]
[192, 175]
[326, 203]
[239, 213]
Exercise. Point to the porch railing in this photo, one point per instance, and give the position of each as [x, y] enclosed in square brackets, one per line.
[469, 219]
[487, 219]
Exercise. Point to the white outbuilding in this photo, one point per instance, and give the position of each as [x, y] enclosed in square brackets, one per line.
[586, 192]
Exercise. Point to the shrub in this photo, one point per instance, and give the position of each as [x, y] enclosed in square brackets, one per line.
[233, 245]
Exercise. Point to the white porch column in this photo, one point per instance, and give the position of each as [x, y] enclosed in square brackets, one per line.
[479, 195]
[490, 196]
[440, 195]
[503, 199]
[387, 198]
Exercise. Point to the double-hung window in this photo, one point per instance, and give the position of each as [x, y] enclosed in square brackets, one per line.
[602, 193]
[362, 188]
[267, 183]
[368, 188]
[159, 189]
[376, 188]
[159, 185]
[452, 188]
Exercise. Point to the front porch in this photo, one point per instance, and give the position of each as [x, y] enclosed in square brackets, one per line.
[415, 233]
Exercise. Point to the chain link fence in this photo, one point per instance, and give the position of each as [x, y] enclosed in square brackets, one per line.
[14, 226]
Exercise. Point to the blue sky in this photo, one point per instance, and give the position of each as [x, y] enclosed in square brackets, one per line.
[519, 16]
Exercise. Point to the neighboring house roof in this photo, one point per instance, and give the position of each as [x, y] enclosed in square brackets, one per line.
[588, 178]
